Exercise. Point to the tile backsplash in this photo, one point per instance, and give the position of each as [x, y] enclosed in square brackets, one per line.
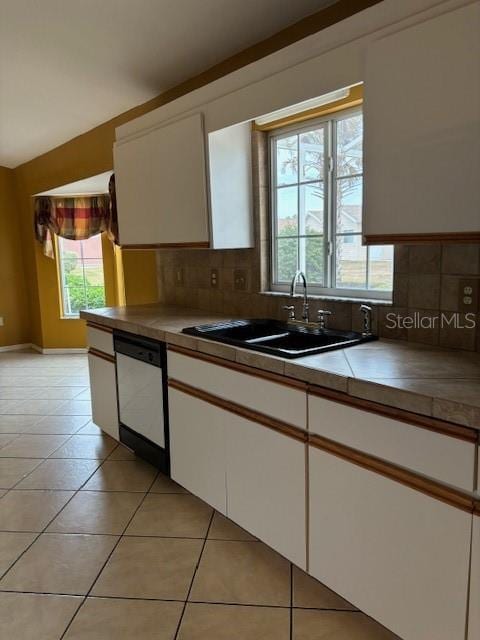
[426, 306]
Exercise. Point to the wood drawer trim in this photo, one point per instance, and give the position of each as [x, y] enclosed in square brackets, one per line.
[166, 245]
[242, 368]
[423, 238]
[99, 327]
[451, 496]
[476, 507]
[276, 425]
[101, 354]
[414, 419]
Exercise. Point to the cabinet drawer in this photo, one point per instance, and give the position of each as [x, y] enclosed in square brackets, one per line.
[442, 457]
[285, 403]
[100, 339]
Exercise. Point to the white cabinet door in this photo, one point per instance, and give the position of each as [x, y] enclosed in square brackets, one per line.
[266, 486]
[197, 447]
[104, 394]
[161, 185]
[474, 612]
[133, 184]
[422, 128]
[399, 555]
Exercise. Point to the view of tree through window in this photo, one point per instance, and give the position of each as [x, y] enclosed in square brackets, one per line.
[317, 179]
[81, 274]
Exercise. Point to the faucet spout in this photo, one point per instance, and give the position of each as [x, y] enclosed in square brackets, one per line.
[293, 284]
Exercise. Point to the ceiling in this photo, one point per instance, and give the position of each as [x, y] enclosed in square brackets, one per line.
[69, 65]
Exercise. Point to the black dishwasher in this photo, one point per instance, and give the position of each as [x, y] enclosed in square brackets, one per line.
[142, 397]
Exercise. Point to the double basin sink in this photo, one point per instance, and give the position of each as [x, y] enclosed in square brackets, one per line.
[278, 338]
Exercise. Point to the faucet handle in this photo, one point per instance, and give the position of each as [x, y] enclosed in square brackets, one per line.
[291, 311]
[321, 313]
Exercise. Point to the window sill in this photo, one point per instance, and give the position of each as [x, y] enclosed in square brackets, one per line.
[333, 298]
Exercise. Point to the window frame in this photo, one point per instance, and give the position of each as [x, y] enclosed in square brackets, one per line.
[329, 182]
[61, 277]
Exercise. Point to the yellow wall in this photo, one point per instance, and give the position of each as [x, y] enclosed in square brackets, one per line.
[13, 293]
[80, 158]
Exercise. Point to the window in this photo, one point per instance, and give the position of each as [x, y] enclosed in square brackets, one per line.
[316, 199]
[82, 284]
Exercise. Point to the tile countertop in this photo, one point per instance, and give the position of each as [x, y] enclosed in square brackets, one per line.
[431, 381]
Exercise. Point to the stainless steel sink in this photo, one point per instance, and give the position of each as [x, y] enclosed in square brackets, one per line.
[277, 338]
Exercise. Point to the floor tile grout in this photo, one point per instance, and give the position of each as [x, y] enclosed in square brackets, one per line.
[193, 576]
[108, 557]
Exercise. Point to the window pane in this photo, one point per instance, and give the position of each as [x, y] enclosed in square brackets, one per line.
[314, 259]
[312, 152]
[74, 300]
[287, 258]
[287, 160]
[351, 263]
[95, 297]
[81, 269]
[349, 205]
[92, 248]
[311, 209]
[287, 218]
[380, 267]
[349, 146]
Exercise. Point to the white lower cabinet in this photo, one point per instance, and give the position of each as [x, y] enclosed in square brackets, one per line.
[253, 474]
[197, 447]
[266, 486]
[104, 394]
[474, 609]
[399, 555]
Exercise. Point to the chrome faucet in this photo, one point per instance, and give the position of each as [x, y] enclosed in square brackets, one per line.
[300, 274]
[367, 320]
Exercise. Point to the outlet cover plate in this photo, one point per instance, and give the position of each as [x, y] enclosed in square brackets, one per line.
[468, 294]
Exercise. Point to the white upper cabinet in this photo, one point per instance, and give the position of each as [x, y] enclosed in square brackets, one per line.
[422, 129]
[161, 185]
[161, 182]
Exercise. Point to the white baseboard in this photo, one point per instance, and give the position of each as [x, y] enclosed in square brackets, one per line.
[16, 347]
[35, 347]
[71, 351]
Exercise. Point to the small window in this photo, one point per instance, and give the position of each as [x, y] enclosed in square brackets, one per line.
[316, 199]
[82, 283]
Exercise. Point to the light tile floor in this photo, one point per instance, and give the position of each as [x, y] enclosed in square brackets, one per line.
[96, 545]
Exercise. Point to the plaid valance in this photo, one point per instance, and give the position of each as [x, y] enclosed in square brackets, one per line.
[75, 218]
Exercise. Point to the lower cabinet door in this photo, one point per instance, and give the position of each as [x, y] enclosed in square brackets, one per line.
[474, 611]
[266, 486]
[399, 555]
[197, 447]
[104, 394]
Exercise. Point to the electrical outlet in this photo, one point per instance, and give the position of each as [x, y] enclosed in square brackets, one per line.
[214, 278]
[240, 279]
[468, 294]
[179, 276]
